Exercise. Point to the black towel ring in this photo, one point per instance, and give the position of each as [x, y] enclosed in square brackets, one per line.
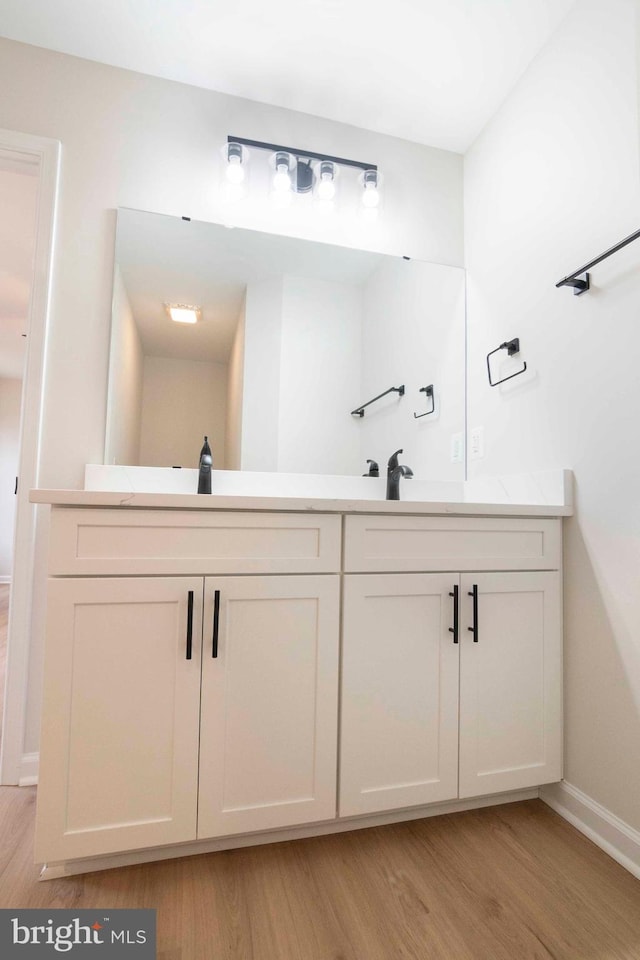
[429, 392]
[512, 347]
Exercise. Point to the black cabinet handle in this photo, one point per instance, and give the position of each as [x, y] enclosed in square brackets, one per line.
[474, 629]
[190, 625]
[455, 629]
[216, 621]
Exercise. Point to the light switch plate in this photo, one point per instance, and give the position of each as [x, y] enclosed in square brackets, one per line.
[476, 443]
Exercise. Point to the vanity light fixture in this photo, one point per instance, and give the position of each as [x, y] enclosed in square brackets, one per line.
[302, 171]
[183, 312]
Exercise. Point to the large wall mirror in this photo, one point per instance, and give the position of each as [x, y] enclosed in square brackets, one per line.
[293, 335]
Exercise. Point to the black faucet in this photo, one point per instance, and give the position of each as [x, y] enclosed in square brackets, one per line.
[395, 471]
[205, 468]
[374, 469]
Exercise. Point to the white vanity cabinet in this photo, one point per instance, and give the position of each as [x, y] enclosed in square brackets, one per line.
[427, 718]
[510, 681]
[207, 672]
[269, 723]
[121, 715]
[399, 722]
[149, 738]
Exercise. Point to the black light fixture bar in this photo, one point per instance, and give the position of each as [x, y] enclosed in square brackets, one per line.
[307, 154]
[581, 286]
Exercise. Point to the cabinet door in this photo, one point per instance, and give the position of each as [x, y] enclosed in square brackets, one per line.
[118, 764]
[399, 739]
[510, 682]
[268, 739]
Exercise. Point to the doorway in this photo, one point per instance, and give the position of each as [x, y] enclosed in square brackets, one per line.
[28, 186]
[19, 178]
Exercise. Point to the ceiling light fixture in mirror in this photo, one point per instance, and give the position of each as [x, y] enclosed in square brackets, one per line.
[182, 312]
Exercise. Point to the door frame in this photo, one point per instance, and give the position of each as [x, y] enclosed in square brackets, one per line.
[15, 765]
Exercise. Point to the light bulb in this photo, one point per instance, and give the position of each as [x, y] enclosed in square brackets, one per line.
[235, 170]
[282, 180]
[370, 194]
[236, 157]
[283, 164]
[327, 183]
[370, 197]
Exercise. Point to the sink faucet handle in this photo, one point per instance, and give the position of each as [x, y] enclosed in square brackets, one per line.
[393, 461]
[374, 469]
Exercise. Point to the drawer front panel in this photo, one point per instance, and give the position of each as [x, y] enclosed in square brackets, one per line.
[388, 544]
[103, 542]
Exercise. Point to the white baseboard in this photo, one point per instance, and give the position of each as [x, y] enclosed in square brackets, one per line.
[611, 834]
[28, 776]
[4, 579]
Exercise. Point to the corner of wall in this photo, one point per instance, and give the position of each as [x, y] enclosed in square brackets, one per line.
[607, 831]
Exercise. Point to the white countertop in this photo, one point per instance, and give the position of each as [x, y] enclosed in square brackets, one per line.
[544, 494]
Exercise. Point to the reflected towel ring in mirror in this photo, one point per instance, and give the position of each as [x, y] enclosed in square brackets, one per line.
[429, 392]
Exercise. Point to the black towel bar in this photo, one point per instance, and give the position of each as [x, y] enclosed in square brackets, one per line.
[581, 286]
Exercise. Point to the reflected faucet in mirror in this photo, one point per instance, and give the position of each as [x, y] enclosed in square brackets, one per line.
[205, 468]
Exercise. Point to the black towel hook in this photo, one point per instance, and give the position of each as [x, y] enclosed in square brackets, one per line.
[512, 347]
[429, 392]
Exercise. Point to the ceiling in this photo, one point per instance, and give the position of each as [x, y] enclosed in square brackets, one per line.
[431, 71]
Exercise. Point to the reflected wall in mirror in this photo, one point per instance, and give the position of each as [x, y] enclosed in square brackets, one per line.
[293, 335]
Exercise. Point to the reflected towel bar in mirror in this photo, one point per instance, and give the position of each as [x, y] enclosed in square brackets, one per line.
[359, 411]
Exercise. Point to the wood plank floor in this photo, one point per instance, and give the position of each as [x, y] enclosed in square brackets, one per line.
[513, 882]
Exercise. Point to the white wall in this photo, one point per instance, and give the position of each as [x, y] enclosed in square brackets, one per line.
[182, 402]
[125, 381]
[235, 386]
[137, 141]
[10, 400]
[413, 334]
[261, 376]
[552, 182]
[319, 376]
